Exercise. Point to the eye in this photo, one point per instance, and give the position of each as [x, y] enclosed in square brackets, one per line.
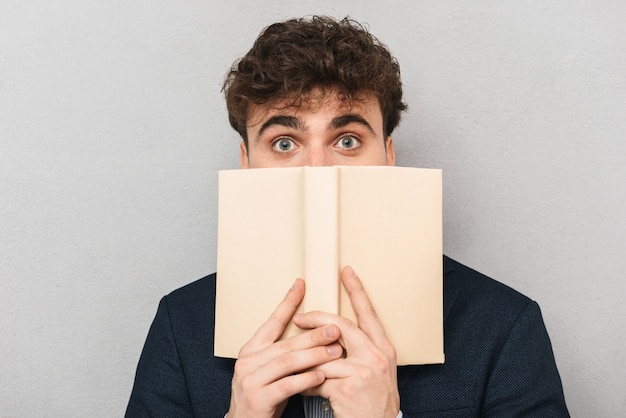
[348, 142]
[283, 145]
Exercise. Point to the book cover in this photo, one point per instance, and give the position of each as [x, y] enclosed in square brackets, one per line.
[277, 224]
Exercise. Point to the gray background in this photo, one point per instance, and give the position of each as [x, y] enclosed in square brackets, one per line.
[112, 128]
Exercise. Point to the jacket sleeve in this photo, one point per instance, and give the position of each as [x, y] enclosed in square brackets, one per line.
[160, 389]
[524, 380]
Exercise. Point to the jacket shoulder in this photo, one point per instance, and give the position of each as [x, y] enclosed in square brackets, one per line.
[470, 291]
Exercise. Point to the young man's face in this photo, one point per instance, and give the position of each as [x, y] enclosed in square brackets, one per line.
[319, 132]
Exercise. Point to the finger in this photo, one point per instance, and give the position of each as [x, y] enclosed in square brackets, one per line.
[363, 375]
[366, 316]
[321, 336]
[290, 363]
[292, 385]
[273, 328]
[339, 368]
[352, 338]
[326, 388]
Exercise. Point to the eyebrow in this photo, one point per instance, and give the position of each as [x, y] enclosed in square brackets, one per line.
[295, 123]
[282, 120]
[345, 120]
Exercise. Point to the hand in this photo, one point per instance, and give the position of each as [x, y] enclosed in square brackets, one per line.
[364, 383]
[268, 372]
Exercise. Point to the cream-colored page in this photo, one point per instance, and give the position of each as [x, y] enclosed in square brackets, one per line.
[391, 234]
[260, 250]
[321, 268]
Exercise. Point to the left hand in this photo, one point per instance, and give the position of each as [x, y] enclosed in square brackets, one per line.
[364, 383]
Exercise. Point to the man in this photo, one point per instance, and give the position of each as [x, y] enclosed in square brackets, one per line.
[324, 92]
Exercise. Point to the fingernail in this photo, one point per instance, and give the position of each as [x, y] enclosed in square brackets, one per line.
[329, 332]
[334, 350]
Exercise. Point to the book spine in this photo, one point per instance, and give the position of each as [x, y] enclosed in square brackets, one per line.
[321, 269]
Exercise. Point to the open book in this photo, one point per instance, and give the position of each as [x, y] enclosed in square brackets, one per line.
[278, 224]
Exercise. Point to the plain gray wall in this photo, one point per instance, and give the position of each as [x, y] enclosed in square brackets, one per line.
[112, 128]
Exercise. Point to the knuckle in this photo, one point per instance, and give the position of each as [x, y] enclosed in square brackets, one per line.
[372, 309]
[389, 350]
[245, 385]
[286, 361]
[346, 324]
[241, 366]
[285, 346]
[351, 387]
[245, 350]
[365, 374]
[392, 353]
[379, 364]
[285, 387]
[277, 318]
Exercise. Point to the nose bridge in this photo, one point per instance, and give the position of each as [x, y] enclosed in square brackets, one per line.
[318, 156]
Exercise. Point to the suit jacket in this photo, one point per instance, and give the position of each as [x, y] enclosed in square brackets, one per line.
[499, 359]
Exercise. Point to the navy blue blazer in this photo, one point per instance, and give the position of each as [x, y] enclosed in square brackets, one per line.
[499, 360]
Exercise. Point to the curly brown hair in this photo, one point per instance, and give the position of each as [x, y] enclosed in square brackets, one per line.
[291, 58]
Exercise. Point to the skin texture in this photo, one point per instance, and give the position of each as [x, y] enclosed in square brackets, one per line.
[322, 130]
[314, 132]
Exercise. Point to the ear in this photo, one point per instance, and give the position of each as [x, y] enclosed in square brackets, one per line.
[243, 155]
[391, 154]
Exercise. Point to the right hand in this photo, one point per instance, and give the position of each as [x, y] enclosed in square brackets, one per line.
[268, 371]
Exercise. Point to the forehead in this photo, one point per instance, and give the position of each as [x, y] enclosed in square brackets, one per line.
[315, 102]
